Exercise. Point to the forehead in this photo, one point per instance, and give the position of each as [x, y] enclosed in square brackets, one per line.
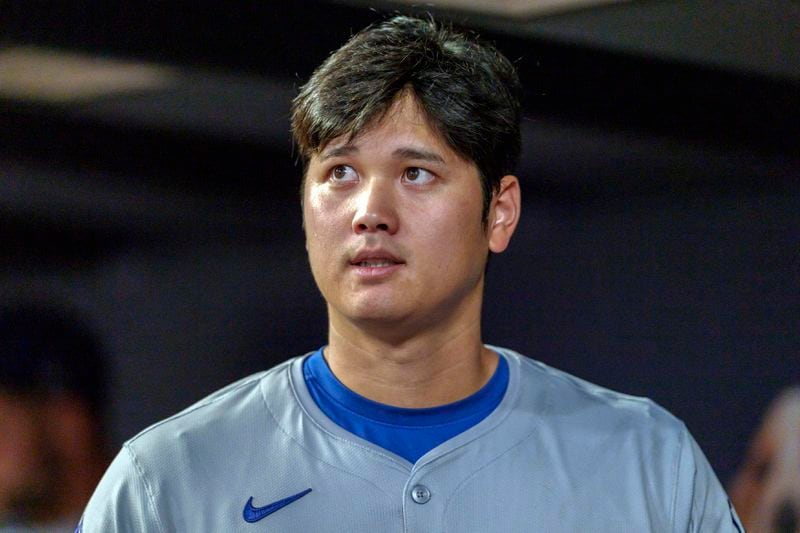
[403, 123]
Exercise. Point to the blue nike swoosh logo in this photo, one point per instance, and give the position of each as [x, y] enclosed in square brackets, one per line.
[254, 514]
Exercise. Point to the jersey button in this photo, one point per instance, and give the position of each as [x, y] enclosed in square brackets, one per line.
[420, 494]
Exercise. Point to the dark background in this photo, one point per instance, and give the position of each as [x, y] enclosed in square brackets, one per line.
[657, 253]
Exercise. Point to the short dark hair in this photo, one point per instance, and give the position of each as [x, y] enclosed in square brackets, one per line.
[46, 350]
[469, 92]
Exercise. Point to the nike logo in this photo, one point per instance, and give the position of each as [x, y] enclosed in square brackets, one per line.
[254, 514]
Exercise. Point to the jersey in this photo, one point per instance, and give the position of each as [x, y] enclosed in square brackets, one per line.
[557, 454]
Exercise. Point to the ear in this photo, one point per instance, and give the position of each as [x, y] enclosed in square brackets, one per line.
[504, 214]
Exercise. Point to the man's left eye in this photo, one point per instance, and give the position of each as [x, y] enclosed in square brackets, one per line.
[418, 176]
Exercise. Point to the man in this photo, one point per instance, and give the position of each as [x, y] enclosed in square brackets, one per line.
[52, 443]
[405, 421]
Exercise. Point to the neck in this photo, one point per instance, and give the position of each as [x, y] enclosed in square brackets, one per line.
[430, 368]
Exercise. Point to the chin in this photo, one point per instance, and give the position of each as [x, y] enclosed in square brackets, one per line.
[378, 315]
[376, 311]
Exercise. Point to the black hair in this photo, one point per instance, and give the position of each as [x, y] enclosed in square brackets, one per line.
[469, 92]
[46, 351]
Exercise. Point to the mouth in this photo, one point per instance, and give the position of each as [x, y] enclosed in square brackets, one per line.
[375, 263]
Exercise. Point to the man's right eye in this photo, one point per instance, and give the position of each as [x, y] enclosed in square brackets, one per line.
[343, 174]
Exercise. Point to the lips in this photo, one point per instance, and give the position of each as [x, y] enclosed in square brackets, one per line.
[375, 259]
[375, 263]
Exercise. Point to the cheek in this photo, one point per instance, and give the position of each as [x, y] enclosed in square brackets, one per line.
[323, 223]
[315, 219]
[462, 216]
[455, 232]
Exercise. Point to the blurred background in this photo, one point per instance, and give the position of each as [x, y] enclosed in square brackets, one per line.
[148, 180]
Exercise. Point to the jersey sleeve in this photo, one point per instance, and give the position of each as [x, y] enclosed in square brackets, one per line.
[122, 502]
[701, 504]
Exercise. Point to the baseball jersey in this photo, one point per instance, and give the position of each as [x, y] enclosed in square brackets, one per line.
[557, 454]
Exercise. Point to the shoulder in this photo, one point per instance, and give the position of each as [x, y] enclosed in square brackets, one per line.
[623, 449]
[617, 450]
[219, 416]
[153, 482]
[559, 394]
[592, 425]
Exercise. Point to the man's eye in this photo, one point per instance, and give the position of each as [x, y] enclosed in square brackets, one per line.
[418, 176]
[343, 173]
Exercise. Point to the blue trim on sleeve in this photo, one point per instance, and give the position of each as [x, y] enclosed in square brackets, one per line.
[409, 433]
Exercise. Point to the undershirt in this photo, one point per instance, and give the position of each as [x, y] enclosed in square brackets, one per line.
[409, 433]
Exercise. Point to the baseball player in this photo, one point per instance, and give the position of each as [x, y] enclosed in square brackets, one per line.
[405, 421]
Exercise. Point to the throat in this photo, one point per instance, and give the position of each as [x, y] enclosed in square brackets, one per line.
[420, 380]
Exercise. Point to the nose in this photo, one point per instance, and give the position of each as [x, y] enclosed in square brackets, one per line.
[375, 208]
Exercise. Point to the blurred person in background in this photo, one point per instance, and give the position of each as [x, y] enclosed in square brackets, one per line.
[766, 490]
[52, 438]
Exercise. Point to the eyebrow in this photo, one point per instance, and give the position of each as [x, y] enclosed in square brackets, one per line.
[414, 153]
[339, 151]
[400, 153]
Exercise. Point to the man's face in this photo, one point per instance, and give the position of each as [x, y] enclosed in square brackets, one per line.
[393, 225]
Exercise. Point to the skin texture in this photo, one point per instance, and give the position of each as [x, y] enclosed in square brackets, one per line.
[406, 330]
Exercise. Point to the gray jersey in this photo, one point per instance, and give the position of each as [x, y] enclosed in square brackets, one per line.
[558, 454]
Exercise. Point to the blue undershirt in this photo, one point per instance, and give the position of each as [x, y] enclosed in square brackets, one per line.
[409, 433]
